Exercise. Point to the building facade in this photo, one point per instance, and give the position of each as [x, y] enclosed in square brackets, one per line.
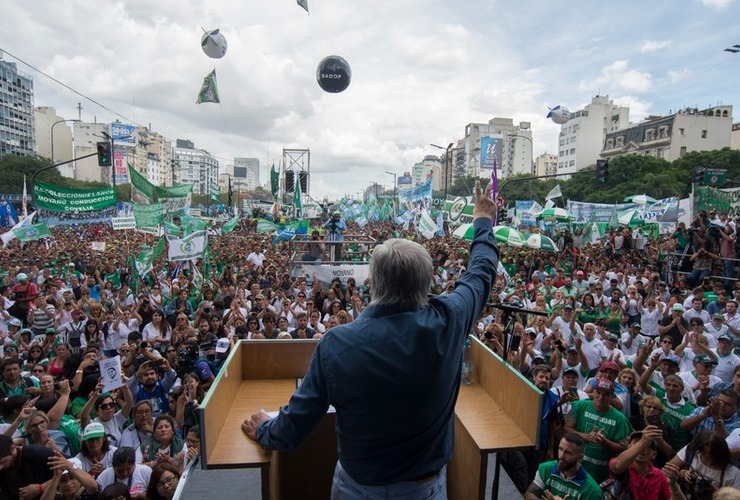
[670, 137]
[16, 111]
[514, 141]
[54, 139]
[87, 135]
[546, 164]
[195, 166]
[581, 139]
[247, 172]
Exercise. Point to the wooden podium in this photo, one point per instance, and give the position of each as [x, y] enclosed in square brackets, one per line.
[498, 411]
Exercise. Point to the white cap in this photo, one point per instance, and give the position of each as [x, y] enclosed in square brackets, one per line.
[222, 345]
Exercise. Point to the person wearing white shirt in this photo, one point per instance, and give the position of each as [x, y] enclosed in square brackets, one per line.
[124, 469]
[716, 327]
[732, 318]
[726, 359]
[568, 390]
[256, 257]
[697, 311]
[700, 379]
[650, 315]
[692, 345]
[632, 340]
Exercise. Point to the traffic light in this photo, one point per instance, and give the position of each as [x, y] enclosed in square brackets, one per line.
[698, 177]
[602, 171]
[501, 216]
[104, 154]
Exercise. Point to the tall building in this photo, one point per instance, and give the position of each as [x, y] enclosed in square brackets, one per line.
[582, 137]
[16, 111]
[670, 137]
[428, 168]
[54, 139]
[195, 166]
[153, 147]
[87, 135]
[546, 164]
[513, 141]
[247, 172]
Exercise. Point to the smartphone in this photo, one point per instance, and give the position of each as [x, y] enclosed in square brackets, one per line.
[574, 390]
[653, 419]
[515, 341]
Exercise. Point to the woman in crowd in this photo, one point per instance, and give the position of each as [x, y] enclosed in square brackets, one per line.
[69, 482]
[707, 458]
[182, 330]
[165, 445]
[158, 332]
[156, 297]
[107, 412]
[650, 412]
[56, 365]
[140, 432]
[163, 482]
[35, 357]
[91, 334]
[96, 452]
[124, 469]
[38, 432]
[187, 404]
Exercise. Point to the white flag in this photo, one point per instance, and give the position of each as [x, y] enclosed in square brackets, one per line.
[554, 193]
[190, 247]
[549, 204]
[6, 237]
[535, 208]
[426, 226]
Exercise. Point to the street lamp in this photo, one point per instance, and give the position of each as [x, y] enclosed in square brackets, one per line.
[448, 160]
[395, 191]
[52, 134]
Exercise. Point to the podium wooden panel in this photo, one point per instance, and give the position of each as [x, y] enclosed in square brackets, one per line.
[498, 411]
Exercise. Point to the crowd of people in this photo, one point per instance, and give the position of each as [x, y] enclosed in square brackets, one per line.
[634, 352]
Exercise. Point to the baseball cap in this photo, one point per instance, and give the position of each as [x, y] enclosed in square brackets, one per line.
[572, 349]
[636, 325]
[540, 357]
[672, 358]
[726, 337]
[14, 322]
[579, 273]
[718, 316]
[76, 313]
[609, 365]
[22, 276]
[222, 345]
[570, 370]
[613, 337]
[605, 385]
[567, 306]
[93, 430]
[703, 358]
[677, 307]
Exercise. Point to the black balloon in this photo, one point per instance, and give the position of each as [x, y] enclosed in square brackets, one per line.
[333, 74]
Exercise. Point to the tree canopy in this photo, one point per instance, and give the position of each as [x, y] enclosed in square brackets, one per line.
[628, 175]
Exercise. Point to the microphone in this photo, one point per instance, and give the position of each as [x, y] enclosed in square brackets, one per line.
[512, 309]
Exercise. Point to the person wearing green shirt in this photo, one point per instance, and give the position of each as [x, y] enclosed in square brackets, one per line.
[603, 428]
[676, 409]
[565, 477]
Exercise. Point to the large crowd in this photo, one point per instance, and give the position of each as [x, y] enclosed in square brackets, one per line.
[633, 335]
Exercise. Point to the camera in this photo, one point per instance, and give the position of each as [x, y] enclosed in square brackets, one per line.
[488, 335]
[207, 310]
[186, 359]
[700, 485]
[144, 345]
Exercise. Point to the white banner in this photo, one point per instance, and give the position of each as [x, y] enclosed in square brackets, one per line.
[189, 247]
[98, 246]
[325, 274]
[6, 237]
[123, 223]
[110, 373]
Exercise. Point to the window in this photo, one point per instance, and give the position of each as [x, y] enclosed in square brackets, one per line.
[573, 151]
[609, 143]
[703, 134]
[682, 152]
[681, 132]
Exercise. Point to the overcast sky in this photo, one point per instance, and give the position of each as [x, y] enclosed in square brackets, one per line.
[421, 70]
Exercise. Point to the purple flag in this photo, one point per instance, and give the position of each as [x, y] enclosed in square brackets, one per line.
[494, 187]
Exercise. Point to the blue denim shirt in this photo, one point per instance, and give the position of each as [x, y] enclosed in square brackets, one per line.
[393, 376]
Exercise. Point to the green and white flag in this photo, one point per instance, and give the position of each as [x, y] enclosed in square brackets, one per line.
[229, 226]
[192, 224]
[426, 225]
[171, 229]
[266, 226]
[209, 89]
[32, 232]
[148, 215]
[191, 246]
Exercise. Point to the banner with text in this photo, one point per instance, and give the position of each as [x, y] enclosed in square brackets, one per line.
[706, 198]
[142, 191]
[60, 205]
[148, 215]
[327, 273]
[415, 197]
[175, 199]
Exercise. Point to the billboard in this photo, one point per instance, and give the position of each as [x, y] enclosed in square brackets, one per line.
[490, 152]
[120, 167]
[123, 135]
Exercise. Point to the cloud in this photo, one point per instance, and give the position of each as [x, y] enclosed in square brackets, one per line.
[716, 4]
[676, 76]
[654, 45]
[618, 77]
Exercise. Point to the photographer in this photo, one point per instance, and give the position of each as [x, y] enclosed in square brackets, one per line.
[702, 467]
[637, 463]
[336, 228]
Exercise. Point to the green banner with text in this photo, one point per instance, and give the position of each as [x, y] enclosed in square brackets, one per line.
[62, 199]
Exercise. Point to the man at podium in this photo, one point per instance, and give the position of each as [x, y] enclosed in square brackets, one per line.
[393, 374]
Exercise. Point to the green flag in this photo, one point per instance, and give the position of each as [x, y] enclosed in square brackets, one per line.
[297, 202]
[32, 232]
[265, 226]
[159, 248]
[135, 277]
[148, 215]
[229, 226]
[171, 229]
[192, 224]
[274, 182]
[209, 89]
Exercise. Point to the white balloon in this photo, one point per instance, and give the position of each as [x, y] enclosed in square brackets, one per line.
[559, 114]
[213, 44]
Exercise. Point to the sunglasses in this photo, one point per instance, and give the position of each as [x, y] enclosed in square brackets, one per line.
[170, 350]
[38, 370]
[107, 406]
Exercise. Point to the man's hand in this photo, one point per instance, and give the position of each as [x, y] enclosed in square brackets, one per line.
[484, 206]
[250, 425]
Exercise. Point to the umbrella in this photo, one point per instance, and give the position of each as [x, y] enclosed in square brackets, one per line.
[556, 214]
[630, 217]
[541, 242]
[642, 199]
[508, 236]
[464, 232]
